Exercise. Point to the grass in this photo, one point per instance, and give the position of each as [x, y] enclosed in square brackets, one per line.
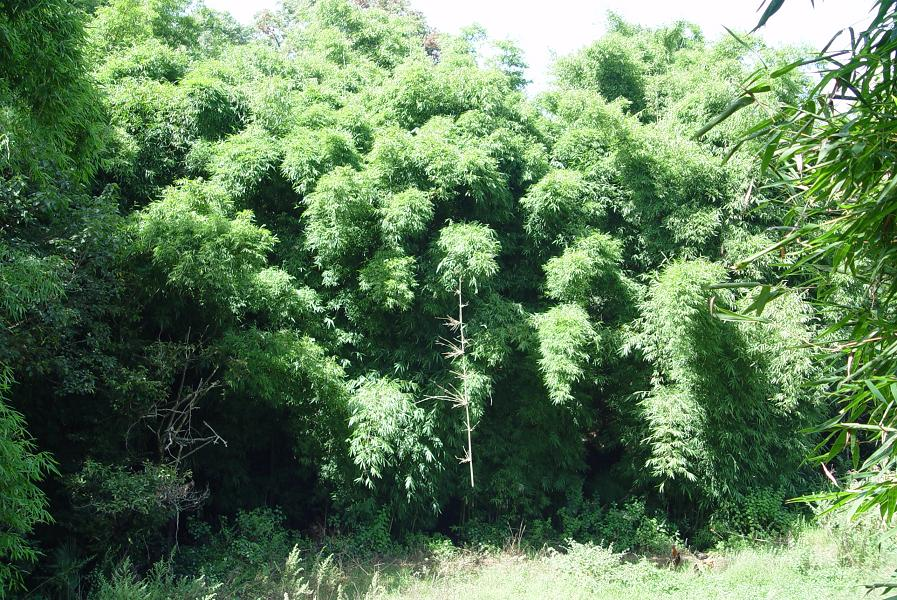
[816, 565]
[752, 574]
[833, 560]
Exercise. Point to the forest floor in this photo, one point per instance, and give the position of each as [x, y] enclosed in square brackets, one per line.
[813, 567]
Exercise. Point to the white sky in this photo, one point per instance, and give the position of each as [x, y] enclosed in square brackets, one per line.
[560, 26]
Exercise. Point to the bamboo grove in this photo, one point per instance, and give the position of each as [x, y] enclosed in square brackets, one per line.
[228, 256]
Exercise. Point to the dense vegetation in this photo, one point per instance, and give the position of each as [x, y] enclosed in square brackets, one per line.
[833, 152]
[229, 255]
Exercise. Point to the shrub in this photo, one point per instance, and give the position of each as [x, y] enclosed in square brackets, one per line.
[119, 507]
[859, 542]
[374, 536]
[250, 547]
[760, 515]
[441, 548]
[159, 584]
[291, 578]
[628, 527]
[596, 566]
[483, 536]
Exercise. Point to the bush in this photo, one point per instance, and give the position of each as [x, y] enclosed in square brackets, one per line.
[596, 566]
[252, 546]
[372, 537]
[159, 584]
[292, 578]
[628, 527]
[507, 536]
[758, 515]
[441, 548]
[483, 536]
[118, 506]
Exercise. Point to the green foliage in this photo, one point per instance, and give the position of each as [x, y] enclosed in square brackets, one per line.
[838, 241]
[159, 584]
[252, 544]
[268, 364]
[48, 108]
[121, 510]
[406, 215]
[572, 276]
[22, 503]
[341, 216]
[675, 304]
[150, 60]
[858, 540]
[612, 67]
[388, 280]
[706, 374]
[420, 92]
[383, 414]
[244, 245]
[311, 153]
[27, 281]
[630, 527]
[204, 247]
[467, 255]
[120, 24]
[679, 192]
[152, 137]
[555, 206]
[254, 555]
[373, 536]
[760, 514]
[510, 61]
[808, 567]
[802, 570]
[565, 336]
[207, 100]
[242, 162]
[115, 491]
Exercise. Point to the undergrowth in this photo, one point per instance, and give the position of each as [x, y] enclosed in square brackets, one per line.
[615, 551]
